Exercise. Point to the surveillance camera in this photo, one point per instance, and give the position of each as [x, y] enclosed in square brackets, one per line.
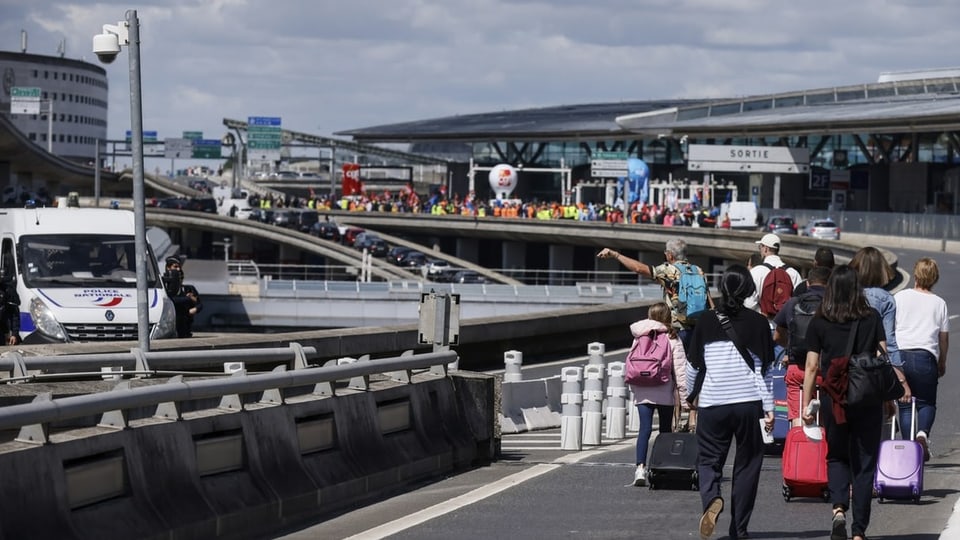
[106, 46]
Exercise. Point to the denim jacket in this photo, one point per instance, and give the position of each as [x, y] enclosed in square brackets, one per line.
[882, 301]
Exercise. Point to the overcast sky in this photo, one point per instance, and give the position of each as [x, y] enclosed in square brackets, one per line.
[325, 66]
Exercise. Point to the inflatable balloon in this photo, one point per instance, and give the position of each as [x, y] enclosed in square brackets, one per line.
[638, 174]
[503, 180]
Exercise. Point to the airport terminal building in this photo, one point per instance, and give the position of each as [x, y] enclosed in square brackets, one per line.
[890, 145]
[75, 90]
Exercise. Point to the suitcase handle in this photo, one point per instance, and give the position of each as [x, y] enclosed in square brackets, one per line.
[913, 420]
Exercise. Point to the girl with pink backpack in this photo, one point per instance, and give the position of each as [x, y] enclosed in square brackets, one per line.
[655, 370]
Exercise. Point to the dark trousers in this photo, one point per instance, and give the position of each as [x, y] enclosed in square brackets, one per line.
[645, 411]
[920, 369]
[716, 429]
[852, 450]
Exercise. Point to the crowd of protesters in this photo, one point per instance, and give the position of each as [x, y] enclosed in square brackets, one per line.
[406, 200]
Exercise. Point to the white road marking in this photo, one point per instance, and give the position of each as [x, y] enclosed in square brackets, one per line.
[477, 495]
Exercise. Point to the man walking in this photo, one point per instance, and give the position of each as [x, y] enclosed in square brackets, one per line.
[670, 275]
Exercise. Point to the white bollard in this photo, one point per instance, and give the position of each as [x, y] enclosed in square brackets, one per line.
[595, 352]
[570, 399]
[634, 422]
[233, 367]
[616, 401]
[592, 403]
[512, 362]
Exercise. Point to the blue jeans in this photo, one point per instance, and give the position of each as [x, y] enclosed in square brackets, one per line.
[665, 413]
[920, 369]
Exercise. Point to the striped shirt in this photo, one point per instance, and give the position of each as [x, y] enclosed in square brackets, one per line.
[728, 379]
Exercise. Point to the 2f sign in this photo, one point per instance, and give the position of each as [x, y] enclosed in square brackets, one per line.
[819, 181]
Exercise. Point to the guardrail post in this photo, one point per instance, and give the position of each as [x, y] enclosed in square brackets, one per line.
[170, 409]
[404, 375]
[274, 395]
[36, 433]
[571, 423]
[361, 382]
[233, 367]
[232, 401]
[616, 401]
[19, 366]
[116, 419]
[142, 365]
[512, 362]
[299, 356]
[592, 403]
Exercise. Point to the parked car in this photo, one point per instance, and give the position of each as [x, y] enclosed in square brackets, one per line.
[824, 229]
[396, 253]
[350, 235]
[467, 276]
[177, 203]
[327, 230]
[285, 217]
[203, 204]
[263, 215]
[378, 247]
[438, 270]
[363, 240]
[414, 259]
[781, 225]
[306, 219]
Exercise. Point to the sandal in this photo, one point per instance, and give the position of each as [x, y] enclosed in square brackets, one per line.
[838, 530]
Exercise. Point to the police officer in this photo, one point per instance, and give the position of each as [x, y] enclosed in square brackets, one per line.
[9, 314]
[186, 298]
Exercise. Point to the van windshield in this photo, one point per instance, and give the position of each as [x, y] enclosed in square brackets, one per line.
[72, 260]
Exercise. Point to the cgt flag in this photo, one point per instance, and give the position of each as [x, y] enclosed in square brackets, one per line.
[350, 184]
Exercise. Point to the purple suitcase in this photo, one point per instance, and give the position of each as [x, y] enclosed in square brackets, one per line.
[900, 465]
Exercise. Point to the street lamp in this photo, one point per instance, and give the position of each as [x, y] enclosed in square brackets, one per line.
[107, 47]
[231, 143]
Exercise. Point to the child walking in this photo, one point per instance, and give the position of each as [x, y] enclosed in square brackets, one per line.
[660, 398]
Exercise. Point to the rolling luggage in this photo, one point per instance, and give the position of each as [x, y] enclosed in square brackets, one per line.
[804, 464]
[900, 464]
[673, 462]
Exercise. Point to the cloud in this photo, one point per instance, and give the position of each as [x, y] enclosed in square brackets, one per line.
[331, 65]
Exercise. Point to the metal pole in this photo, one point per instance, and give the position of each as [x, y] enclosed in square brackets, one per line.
[139, 211]
[50, 126]
[96, 175]
[333, 172]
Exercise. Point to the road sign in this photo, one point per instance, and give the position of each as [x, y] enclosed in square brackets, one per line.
[263, 138]
[608, 164]
[611, 155]
[193, 135]
[177, 148]
[206, 149]
[25, 100]
[608, 173]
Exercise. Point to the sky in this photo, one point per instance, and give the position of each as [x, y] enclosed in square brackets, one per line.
[324, 66]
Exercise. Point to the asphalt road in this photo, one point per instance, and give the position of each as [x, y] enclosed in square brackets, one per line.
[537, 491]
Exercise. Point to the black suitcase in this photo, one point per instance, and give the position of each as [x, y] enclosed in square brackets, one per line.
[673, 462]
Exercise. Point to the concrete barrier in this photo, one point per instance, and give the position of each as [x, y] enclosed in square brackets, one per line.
[530, 405]
[225, 474]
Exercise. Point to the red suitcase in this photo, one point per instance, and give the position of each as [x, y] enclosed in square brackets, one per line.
[804, 465]
[900, 464]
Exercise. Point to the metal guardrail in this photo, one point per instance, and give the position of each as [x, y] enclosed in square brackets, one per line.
[138, 362]
[34, 418]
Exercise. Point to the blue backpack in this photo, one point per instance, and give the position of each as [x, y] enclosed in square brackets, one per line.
[691, 291]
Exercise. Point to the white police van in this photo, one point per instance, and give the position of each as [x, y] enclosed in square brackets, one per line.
[74, 270]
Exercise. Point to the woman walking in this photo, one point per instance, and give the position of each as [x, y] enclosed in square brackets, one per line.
[923, 327]
[853, 432]
[732, 391]
[660, 398]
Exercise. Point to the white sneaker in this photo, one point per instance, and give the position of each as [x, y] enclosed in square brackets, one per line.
[925, 444]
[640, 476]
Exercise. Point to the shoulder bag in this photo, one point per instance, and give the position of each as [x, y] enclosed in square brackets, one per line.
[871, 378]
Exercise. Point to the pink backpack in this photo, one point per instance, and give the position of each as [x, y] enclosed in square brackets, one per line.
[650, 360]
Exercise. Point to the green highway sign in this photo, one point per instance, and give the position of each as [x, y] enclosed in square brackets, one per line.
[25, 92]
[206, 149]
[193, 135]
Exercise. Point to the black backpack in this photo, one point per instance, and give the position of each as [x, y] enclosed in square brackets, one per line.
[803, 312]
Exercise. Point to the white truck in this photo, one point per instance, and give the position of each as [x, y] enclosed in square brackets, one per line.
[74, 271]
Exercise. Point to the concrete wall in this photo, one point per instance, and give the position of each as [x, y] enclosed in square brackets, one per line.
[231, 474]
